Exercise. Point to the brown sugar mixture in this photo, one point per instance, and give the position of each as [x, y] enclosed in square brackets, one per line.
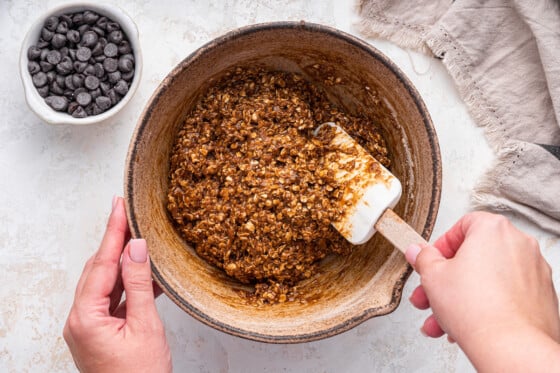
[248, 186]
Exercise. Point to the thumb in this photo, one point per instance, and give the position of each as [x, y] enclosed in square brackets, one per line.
[137, 282]
[423, 257]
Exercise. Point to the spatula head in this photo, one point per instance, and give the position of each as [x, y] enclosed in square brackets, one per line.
[368, 187]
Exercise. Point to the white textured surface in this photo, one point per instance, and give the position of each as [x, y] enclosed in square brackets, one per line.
[56, 184]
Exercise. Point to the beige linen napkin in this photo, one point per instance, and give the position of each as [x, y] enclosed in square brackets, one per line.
[504, 57]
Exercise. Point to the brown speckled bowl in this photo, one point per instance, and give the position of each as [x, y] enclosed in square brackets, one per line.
[347, 290]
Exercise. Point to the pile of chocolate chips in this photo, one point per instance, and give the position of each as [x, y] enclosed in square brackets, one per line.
[83, 63]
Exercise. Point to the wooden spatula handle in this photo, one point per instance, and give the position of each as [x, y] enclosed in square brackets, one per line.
[397, 231]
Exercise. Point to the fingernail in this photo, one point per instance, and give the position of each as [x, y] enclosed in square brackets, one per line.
[114, 203]
[412, 253]
[138, 251]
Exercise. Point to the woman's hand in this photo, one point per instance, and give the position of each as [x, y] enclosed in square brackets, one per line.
[105, 335]
[491, 290]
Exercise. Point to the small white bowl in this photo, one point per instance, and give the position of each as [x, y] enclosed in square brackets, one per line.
[37, 103]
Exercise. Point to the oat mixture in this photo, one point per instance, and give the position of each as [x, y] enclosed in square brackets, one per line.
[248, 186]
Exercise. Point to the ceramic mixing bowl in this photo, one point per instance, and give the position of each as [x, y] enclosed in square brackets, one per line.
[347, 290]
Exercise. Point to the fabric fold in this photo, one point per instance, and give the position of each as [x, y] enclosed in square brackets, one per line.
[504, 57]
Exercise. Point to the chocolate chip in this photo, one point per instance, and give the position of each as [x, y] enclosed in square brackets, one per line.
[84, 98]
[72, 54]
[64, 51]
[78, 80]
[97, 110]
[83, 29]
[102, 22]
[68, 19]
[115, 37]
[90, 70]
[67, 60]
[112, 26]
[113, 96]
[69, 82]
[99, 58]
[114, 77]
[128, 76]
[110, 50]
[54, 57]
[124, 47]
[99, 71]
[69, 94]
[51, 23]
[91, 82]
[62, 28]
[45, 66]
[58, 41]
[79, 90]
[61, 81]
[121, 87]
[97, 50]
[72, 107]
[41, 44]
[73, 36]
[80, 66]
[79, 112]
[78, 19]
[65, 67]
[47, 35]
[39, 79]
[90, 17]
[110, 65]
[58, 103]
[89, 39]
[33, 67]
[89, 109]
[99, 31]
[100, 46]
[103, 102]
[44, 54]
[95, 93]
[51, 76]
[56, 89]
[43, 91]
[33, 53]
[83, 54]
[105, 87]
[125, 64]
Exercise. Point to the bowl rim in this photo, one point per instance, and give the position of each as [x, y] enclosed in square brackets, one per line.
[37, 104]
[351, 322]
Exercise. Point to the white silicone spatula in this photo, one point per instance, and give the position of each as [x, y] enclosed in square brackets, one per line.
[370, 191]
